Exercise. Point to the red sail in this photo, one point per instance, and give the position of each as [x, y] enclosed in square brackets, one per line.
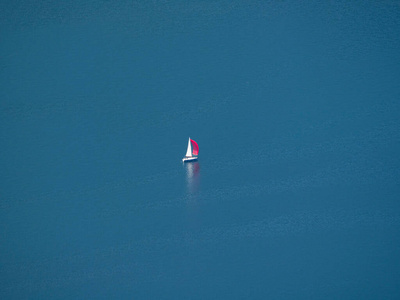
[195, 147]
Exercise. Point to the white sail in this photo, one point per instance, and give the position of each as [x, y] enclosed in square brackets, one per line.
[189, 149]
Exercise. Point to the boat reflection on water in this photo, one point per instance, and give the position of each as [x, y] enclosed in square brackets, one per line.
[192, 179]
[193, 216]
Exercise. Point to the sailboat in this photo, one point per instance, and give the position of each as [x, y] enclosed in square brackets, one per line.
[191, 155]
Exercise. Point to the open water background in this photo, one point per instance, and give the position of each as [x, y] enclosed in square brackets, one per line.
[295, 106]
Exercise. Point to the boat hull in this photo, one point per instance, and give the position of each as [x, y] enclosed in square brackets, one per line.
[189, 159]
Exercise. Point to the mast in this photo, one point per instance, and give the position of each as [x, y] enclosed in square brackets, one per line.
[189, 149]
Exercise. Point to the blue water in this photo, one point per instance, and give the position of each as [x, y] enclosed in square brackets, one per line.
[295, 107]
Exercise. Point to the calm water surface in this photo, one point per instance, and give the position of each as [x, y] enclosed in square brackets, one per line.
[296, 111]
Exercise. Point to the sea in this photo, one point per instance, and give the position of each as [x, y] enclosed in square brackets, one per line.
[295, 106]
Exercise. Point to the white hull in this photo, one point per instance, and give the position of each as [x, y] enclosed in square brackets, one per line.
[188, 159]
